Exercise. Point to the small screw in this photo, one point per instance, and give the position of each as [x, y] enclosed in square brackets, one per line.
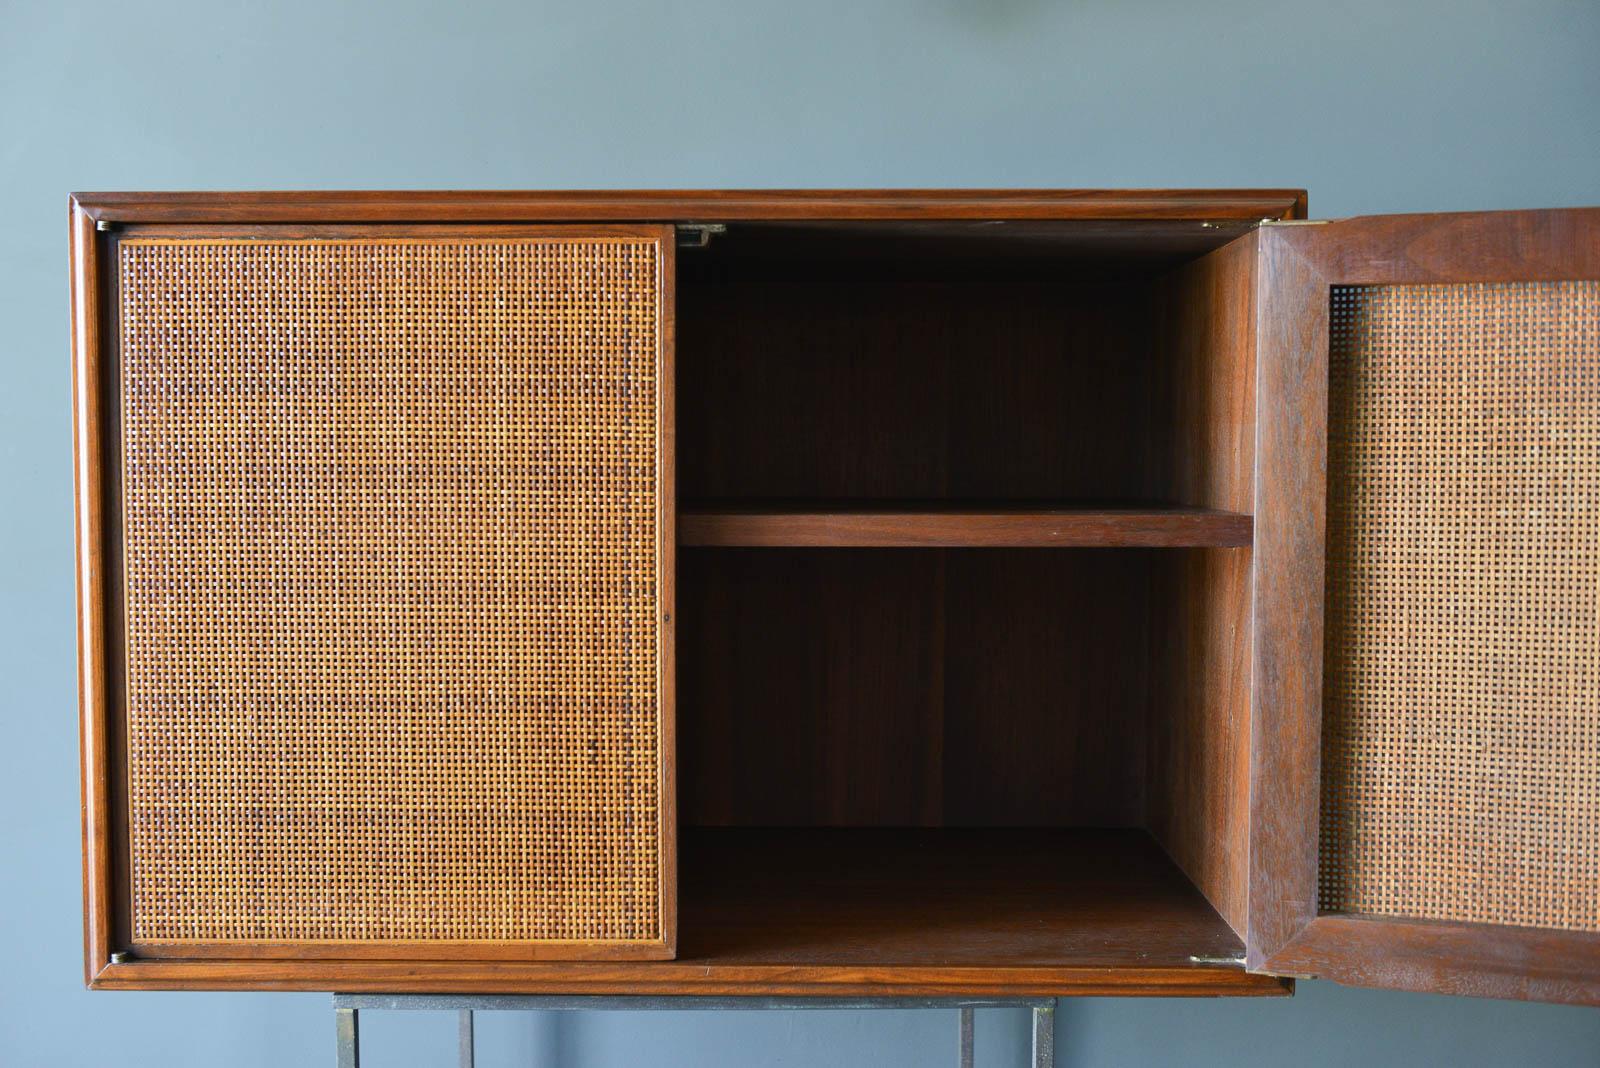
[120, 957]
[666, 617]
[1209, 226]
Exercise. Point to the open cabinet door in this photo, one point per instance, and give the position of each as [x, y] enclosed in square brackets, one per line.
[1425, 788]
[375, 539]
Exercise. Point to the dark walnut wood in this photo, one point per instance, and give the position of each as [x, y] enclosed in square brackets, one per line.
[1474, 960]
[874, 912]
[667, 205]
[908, 344]
[909, 526]
[873, 687]
[950, 349]
[892, 386]
[888, 402]
[1199, 758]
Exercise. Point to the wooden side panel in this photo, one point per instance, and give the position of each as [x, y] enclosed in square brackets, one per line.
[89, 543]
[1199, 766]
[1286, 645]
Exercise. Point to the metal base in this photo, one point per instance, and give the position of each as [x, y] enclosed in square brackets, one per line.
[347, 1009]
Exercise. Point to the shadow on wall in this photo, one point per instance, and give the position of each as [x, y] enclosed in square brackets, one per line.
[995, 16]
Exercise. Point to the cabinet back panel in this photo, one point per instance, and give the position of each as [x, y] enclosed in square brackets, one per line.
[861, 388]
[1461, 735]
[393, 570]
[913, 687]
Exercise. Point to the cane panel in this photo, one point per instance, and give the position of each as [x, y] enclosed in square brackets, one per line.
[1461, 742]
[391, 515]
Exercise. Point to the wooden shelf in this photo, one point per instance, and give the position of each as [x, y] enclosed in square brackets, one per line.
[936, 526]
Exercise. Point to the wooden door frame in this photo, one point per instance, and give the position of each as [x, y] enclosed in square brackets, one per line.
[1299, 264]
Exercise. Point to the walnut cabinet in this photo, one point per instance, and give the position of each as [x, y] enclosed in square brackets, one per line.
[851, 593]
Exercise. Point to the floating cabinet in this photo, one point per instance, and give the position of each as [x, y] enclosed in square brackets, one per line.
[836, 593]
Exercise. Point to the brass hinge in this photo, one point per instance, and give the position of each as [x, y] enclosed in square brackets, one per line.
[1235, 961]
[1295, 222]
[698, 235]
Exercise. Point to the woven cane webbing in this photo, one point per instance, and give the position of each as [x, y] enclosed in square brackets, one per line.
[1461, 732]
[390, 520]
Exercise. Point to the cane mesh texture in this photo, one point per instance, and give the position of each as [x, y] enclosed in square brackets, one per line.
[390, 551]
[1461, 730]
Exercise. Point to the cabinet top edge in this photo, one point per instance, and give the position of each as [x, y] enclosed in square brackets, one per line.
[665, 205]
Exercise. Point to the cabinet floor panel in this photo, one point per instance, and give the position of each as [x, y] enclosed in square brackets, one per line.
[858, 912]
[942, 898]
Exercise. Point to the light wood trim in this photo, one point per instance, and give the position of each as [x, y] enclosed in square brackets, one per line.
[687, 977]
[666, 561]
[89, 541]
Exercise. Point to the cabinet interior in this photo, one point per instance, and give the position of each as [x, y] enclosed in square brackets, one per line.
[958, 744]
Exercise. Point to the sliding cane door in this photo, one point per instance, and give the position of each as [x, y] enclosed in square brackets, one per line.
[389, 541]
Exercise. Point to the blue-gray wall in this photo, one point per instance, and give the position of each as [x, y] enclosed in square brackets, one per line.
[1375, 106]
